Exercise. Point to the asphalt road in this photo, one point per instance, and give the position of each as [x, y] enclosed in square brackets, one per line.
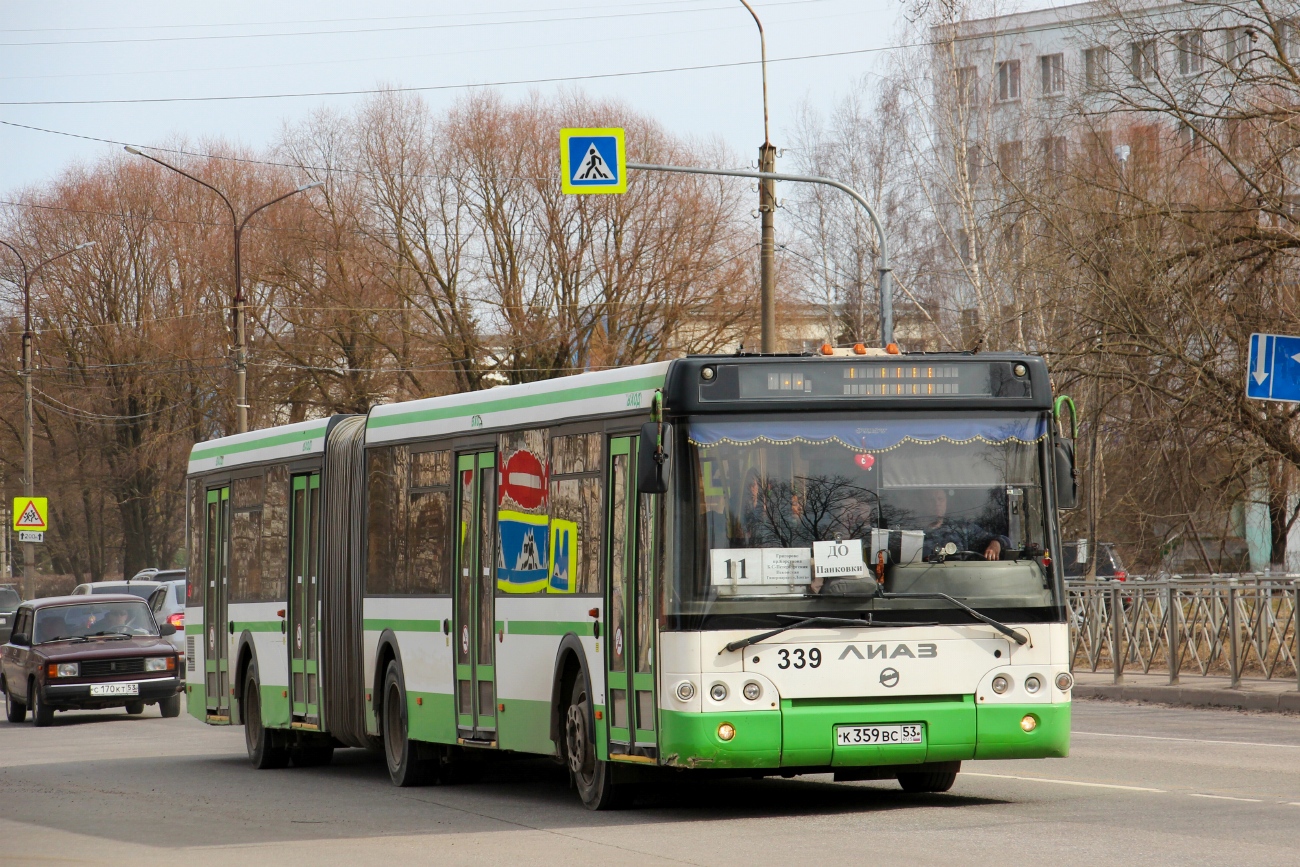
[1143, 785]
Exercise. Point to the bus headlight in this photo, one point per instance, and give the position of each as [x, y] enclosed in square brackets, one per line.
[1001, 684]
[1033, 684]
[685, 690]
[752, 691]
[1064, 681]
[718, 692]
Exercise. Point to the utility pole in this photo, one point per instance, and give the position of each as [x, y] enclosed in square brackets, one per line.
[29, 462]
[766, 211]
[239, 304]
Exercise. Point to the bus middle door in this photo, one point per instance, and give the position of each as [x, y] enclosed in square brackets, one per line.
[304, 593]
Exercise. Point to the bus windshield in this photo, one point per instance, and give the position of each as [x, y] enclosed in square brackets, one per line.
[940, 504]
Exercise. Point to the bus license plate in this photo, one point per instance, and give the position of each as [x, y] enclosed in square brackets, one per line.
[115, 689]
[851, 736]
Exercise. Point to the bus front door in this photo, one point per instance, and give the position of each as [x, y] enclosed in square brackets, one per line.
[216, 624]
[304, 643]
[475, 598]
[629, 620]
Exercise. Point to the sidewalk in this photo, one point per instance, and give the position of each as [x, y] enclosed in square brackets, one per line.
[1191, 691]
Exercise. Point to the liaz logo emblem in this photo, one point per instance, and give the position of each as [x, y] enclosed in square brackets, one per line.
[882, 651]
[889, 678]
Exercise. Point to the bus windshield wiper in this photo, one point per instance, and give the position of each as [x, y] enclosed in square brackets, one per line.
[810, 621]
[983, 618]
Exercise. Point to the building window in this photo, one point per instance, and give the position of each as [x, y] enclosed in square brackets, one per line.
[1054, 155]
[1241, 42]
[967, 86]
[1191, 52]
[973, 165]
[965, 251]
[1009, 156]
[1094, 67]
[1052, 68]
[1142, 60]
[1009, 80]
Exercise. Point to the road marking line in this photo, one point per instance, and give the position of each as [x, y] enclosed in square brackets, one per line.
[1224, 798]
[1065, 782]
[1187, 740]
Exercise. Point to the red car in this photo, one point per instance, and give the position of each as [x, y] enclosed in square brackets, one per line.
[79, 653]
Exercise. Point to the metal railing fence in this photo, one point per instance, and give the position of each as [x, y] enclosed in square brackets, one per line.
[1239, 627]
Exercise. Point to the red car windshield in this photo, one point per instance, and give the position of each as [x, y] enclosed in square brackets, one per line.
[92, 619]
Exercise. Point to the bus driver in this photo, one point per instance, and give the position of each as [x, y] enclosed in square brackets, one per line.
[966, 535]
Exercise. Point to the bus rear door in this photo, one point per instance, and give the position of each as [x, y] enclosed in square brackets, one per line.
[475, 593]
[216, 622]
[629, 617]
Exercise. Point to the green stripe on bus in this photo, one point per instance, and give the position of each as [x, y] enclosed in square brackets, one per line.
[379, 624]
[524, 401]
[257, 626]
[266, 442]
[551, 627]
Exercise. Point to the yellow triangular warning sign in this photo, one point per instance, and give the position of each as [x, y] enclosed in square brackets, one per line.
[30, 518]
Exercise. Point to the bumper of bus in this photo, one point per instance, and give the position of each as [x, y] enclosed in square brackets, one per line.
[801, 734]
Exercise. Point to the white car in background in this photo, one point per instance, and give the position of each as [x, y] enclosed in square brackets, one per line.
[143, 589]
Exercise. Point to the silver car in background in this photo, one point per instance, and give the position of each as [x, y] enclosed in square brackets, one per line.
[168, 604]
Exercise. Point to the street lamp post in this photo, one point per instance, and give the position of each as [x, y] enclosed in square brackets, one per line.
[239, 304]
[767, 211]
[29, 462]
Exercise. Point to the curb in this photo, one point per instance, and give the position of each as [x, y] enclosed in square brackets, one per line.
[1192, 696]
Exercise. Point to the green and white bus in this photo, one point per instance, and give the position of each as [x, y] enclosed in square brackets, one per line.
[751, 564]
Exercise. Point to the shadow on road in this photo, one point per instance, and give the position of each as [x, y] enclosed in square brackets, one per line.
[199, 799]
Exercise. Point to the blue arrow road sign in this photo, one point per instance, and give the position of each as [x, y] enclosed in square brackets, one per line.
[1274, 372]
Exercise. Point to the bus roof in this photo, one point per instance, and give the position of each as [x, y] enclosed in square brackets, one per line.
[286, 441]
[585, 394]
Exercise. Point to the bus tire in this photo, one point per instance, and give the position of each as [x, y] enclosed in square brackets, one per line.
[15, 710]
[593, 778]
[927, 781]
[264, 753]
[42, 713]
[170, 707]
[405, 767]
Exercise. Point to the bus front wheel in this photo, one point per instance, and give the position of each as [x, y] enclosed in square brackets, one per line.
[927, 781]
[591, 777]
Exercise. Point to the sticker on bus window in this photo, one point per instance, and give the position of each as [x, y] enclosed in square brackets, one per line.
[523, 563]
[564, 556]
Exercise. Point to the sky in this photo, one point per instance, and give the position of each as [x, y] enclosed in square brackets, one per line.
[96, 54]
[150, 73]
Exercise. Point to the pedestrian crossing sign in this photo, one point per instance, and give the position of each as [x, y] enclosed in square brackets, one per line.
[31, 513]
[592, 161]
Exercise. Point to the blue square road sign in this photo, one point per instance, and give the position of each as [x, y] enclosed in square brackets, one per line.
[1274, 370]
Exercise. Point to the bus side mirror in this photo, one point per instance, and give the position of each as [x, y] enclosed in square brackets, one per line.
[652, 460]
[1067, 480]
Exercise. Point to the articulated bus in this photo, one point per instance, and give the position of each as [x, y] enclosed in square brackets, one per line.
[752, 564]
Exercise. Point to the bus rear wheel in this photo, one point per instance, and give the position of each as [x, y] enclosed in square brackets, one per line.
[263, 751]
[405, 767]
[591, 777]
[927, 781]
